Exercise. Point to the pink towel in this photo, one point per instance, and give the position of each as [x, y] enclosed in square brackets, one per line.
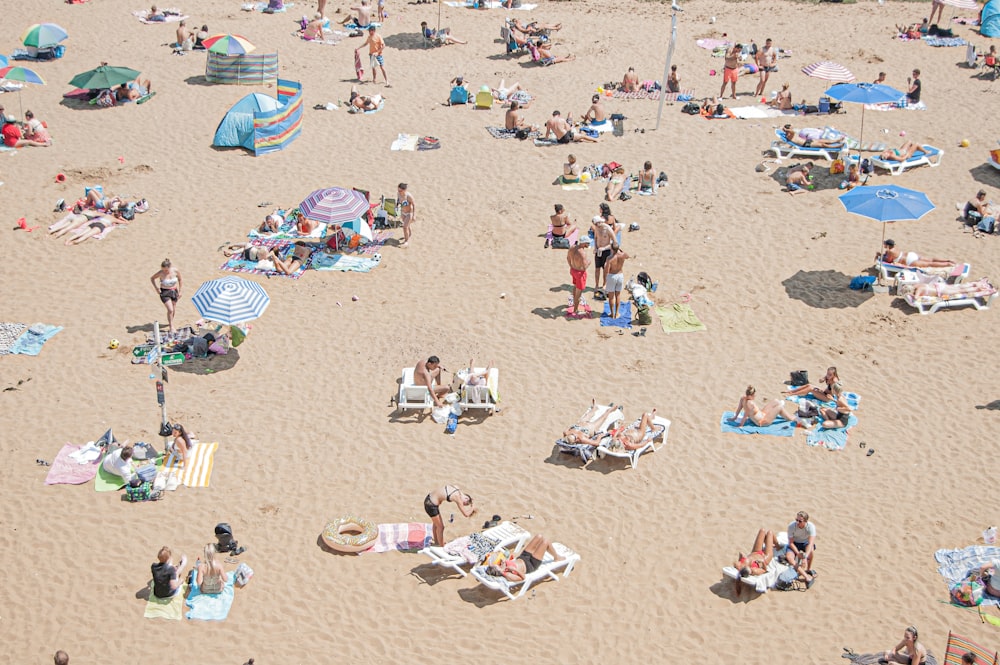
[402, 537]
[65, 470]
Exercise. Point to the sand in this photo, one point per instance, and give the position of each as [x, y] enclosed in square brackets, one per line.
[303, 416]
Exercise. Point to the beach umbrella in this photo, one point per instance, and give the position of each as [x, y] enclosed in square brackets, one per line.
[828, 71]
[22, 74]
[105, 76]
[43, 35]
[334, 205]
[963, 4]
[886, 203]
[3, 61]
[864, 93]
[360, 227]
[228, 44]
[231, 300]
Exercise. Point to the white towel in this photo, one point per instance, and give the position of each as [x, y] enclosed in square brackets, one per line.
[88, 454]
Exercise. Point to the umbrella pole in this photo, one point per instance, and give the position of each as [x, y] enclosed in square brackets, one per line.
[439, 16]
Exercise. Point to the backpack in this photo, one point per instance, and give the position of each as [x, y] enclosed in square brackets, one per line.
[786, 580]
[224, 536]
[642, 315]
[645, 280]
[866, 168]
[560, 243]
[691, 108]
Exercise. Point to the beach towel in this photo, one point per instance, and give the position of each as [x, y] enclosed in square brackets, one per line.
[831, 439]
[289, 231]
[490, 4]
[405, 142]
[683, 95]
[403, 537]
[9, 333]
[374, 247]
[583, 312]
[142, 15]
[31, 340]
[211, 606]
[572, 237]
[944, 41]
[575, 186]
[67, 471]
[171, 608]
[779, 427]
[727, 114]
[261, 6]
[345, 263]
[197, 470]
[502, 133]
[679, 317]
[624, 319]
[873, 658]
[894, 106]
[540, 142]
[955, 565]
[712, 44]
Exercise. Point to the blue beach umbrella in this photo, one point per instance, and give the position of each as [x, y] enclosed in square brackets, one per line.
[3, 61]
[231, 300]
[864, 93]
[886, 203]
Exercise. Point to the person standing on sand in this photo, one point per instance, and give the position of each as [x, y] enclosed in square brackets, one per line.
[730, 72]
[615, 278]
[604, 238]
[407, 211]
[578, 261]
[168, 288]
[766, 59]
[321, 8]
[376, 45]
[432, 506]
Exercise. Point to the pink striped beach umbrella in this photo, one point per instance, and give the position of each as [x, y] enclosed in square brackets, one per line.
[334, 205]
[829, 71]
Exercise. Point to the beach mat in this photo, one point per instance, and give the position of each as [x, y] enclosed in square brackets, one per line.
[574, 186]
[407, 142]
[197, 471]
[831, 439]
[171, 608]
[211, 606]
[624, 319]
[502, 133]
[345, 263]
[873, 658]
[679, 317]
[67, 471]
[777, 428]
[954, 565]
[655, 95]
[584, 307]
[402, 537]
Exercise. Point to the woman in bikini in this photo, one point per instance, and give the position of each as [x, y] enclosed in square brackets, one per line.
[615, 185]
[912, 259]
[587, 430]
[793, 137]
[824, 395]
[432, 506]
[211, 576]
[96, 227]
[647, 180]
[945, 290]
[168, 288]
[760, 417]
[908, 651]
[632, 438]
[182, 442]
[902, 153]
[760, 556]
[837, 417]
[298, 258]
[516, 569]
[71, 222]
[561, 226]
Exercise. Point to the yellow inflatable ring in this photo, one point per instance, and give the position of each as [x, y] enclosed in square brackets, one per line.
[350, 534]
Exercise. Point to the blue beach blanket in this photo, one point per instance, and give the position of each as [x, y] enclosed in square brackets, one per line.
[831, 439]
[624, 319]
[210, 607]
[955, 565]
[777, 428]
[345, 263]
[31, 340]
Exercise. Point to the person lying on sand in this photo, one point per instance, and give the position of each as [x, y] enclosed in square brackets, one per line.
[246, 251]
[271, 224]
[363, 102]
[95, 227]
[912, 259]
[761, 417]
[534, 28]
[503, 93]
[133, 90]
[298, 258]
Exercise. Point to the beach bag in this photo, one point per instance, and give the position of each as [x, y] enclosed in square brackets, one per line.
[141, 491]
[645, 280]
[560, 243]
[968, 593]
[866, 168]
[807, 409]
[862, 282]
[147, 473]
[244, 573]
[691, 108]
[986, 225]
[799, 377]
[224, 537]
[786, 580]
[642, 315]
[837, 166]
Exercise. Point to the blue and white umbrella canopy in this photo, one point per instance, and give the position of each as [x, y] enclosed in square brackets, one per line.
[231, 300]
[886, 203]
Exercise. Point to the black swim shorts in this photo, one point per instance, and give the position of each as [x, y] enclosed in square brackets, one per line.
[601, 257]
[430, 507]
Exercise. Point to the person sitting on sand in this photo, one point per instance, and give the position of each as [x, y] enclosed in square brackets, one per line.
[155, 15]
[673, 80]
[588, 430]
[185, 37]
[246, 251]
[133, 90]
[793, 137]
[314, 28]
[432, 506]
[199, 39]
[902, 153]
[571, 170]
[561, 226]
[747, 409]
[647, 180]
[297, 259]
[35, 132]
[428, 373]
[630, 82]
[514, 119]
[517, 569]
[181, 443]
[911, 259]
[783, 100]
[831, 379]
[853, 177]
[909, 650]
[801, 541]
[799, 180]
[632, 438]
[210, 576]
[444, 34]
[166, 581]
[119, 463]
[945, 290]
[363, 18]
[563, 131]
[880, 79]
[271, 224]
[361, 102]
[840, 415]
[595, 115]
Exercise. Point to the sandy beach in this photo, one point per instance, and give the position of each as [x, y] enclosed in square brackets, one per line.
[303, 411]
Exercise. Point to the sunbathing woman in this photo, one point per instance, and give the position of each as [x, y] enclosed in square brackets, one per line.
[181, 443]
[837, 417]
[432, 506]
[831, 379]
[760, 556]
[361, 102]
[760, 417]
[298, 258]
[793, 137]
[945, 290]
[633, 438]
[587, 430]
[246, 251]
[71, 222]
[534, 28]
[306, 226]
[517, 569]
[96, 227]
[902, 153]
[912, 259]
[616, 184]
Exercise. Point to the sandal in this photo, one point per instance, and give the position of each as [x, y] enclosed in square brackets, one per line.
[871, 451]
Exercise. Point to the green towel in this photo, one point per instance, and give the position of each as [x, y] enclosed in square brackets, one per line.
[166, 608]
[679, 317]
[109, 482]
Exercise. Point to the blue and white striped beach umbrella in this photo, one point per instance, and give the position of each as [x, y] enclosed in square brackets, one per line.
[231, 300]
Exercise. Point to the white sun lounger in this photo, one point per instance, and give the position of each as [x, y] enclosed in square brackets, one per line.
[584, 451]
[481, 397]
[782, 147]
[928, 155]
[506, 534]
[412, 396]
[661, 426]
[931, 304]
[767, 581]
[548, 569]
[956, 274]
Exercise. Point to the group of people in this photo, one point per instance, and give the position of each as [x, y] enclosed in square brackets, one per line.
[609, 259]
[29, 132]
[828, 417]
[168, 579]
[799, 553]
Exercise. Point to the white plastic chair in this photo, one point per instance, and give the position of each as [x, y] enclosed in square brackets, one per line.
[412, 396]
[548, 569]
[506, 535]
[481, 397]
[660, 429]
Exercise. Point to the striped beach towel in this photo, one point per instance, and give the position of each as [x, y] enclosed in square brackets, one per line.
[403, 537]
[653, 94]
[237, 264]
[197, 472]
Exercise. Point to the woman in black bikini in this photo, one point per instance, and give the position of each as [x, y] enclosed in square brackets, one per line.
[517, 568]
[831, 379]
[838, 417]
[432, 506]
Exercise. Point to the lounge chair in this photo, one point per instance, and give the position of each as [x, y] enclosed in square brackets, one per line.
[658, 432]
[584, 451]
[412, 396]
[955, 275]
[928, 155]
[995, 159]
[958, 646]
[484, 99]
[481, 397]
[506, 535]
[782, 147]
[767, 581]
[536, 56]
[547, 569]
[391, 216]
[981, 299]
[507, 35]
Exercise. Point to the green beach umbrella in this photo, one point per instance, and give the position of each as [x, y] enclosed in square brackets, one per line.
[43, 35]
[105, 76]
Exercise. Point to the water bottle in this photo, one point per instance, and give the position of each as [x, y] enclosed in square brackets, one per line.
[990, 535]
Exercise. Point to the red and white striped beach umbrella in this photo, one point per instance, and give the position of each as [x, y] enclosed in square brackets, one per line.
[963, 4]
[828, 71]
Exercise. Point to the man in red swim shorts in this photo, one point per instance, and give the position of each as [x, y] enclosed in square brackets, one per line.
[579, 260]
[731, 71]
